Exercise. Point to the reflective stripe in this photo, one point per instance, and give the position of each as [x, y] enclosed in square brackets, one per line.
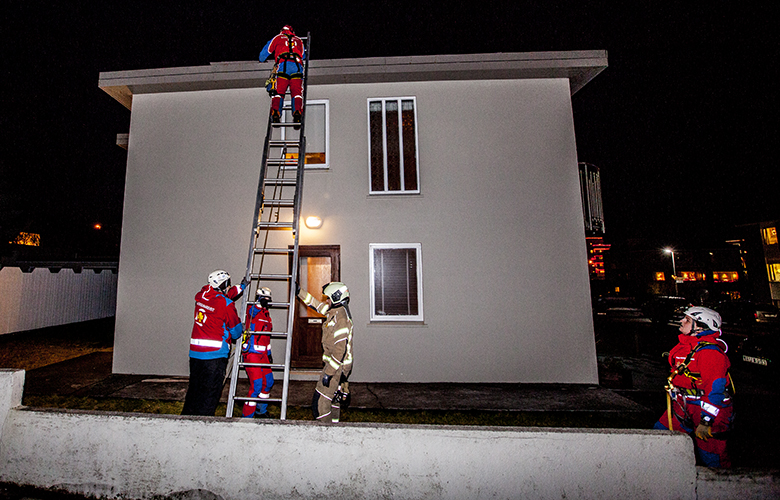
[206, 343]
[260, 347]
[710, 408]
[250, 403]
[264, 395]
[341, 331]
[335, 364]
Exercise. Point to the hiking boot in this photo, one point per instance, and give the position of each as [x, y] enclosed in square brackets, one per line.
[276, 117]
[297, 119]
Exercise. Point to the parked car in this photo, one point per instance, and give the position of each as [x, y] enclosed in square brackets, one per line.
[665, 309]
[760, 349]
[747, 313]
[619, 309]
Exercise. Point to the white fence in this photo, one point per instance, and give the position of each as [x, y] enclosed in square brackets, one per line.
[41, 298]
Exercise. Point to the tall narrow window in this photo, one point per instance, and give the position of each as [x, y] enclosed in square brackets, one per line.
[392, 145]
[396, 282]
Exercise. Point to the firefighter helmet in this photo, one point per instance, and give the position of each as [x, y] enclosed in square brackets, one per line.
[219, 280]
[705, 317]
[337, 292]
[263, 293]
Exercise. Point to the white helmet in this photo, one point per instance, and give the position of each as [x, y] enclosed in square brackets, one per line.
[337, 292]
[263, 293]
[219, 280]
[705, 316]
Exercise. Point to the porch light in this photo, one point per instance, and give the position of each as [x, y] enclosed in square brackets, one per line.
[313, 222]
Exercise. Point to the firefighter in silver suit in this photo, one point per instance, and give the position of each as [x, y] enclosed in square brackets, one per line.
[332, 391]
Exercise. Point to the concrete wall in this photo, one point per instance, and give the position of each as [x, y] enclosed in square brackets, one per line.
[499, 218]
[135, 456]
[40, 298]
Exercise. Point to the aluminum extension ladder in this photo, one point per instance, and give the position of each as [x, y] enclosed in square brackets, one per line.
[273, 255]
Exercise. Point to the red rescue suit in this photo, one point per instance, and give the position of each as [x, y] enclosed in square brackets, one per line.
[288, 53]
[257, 349]
[700, 391]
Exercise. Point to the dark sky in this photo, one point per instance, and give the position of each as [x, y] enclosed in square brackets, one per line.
[683, 124]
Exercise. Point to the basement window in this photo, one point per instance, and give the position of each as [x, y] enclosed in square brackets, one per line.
[396, 281]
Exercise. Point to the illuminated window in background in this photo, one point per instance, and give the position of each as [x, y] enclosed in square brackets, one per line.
[770, 235]
[691, 276]
[660, 276]
[773, 270]
[29, 239]
[724, 276]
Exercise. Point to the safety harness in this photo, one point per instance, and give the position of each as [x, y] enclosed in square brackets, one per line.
[673, 391]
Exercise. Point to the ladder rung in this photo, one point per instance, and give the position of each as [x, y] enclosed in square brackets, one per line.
[275, 225]
[292, 124]
[266, 365]
[283, 181]
[272, 276]
[279, 203]
[277, 305]
[274, 250]
[282, 162]
[283, 144]
[259, 400]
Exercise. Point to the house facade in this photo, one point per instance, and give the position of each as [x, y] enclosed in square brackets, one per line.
[449, 196]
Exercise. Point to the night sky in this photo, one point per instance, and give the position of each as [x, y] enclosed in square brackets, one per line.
[683, 124]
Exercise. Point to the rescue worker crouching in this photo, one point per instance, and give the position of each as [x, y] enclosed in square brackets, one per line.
[332, 391]
[700, 388]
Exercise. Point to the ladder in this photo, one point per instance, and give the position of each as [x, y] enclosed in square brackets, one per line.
[273, 256]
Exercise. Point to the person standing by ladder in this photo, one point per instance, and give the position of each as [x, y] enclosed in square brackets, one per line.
[332, 389]
[215, 328]
[256, 348]
[288, 53]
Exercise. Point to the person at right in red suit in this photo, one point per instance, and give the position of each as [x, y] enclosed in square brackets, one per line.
[699, 387]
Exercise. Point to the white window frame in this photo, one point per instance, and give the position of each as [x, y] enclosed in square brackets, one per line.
[287, 116]
[417, 247]
[399, 100]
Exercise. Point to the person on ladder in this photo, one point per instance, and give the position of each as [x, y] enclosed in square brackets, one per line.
[256, 348]
[288, 53]
[700, 388]
[332, 391]
[216, 327]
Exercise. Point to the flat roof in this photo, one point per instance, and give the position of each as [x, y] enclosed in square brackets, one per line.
[579, 67]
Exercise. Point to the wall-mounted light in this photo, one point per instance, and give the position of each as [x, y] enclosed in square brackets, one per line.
[313, 222]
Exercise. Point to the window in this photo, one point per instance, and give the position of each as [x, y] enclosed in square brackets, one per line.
[392, 146]
[770, 235]
[317, 134]
[773, 271]
[396, 282]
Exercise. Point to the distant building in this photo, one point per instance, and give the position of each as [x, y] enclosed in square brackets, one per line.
[760, 254]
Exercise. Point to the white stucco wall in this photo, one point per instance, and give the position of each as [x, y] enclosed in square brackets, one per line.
[499, 217]
[146, 456]
[40, 298]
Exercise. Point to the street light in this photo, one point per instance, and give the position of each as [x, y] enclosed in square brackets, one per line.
[674, 270]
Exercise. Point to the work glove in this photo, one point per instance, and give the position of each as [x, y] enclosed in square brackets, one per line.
[270, 358]
[703, 432]
[326, 380]
[244, 282]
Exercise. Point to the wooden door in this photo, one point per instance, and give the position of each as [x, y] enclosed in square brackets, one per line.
[317, 266]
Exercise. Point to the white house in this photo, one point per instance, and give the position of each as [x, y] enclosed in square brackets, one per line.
[480, 202]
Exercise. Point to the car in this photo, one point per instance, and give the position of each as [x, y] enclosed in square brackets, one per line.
[619, 309]
[665, 309]
[747, 313]
[760, 349]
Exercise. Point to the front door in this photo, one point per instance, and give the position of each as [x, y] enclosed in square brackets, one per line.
[317, 266]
